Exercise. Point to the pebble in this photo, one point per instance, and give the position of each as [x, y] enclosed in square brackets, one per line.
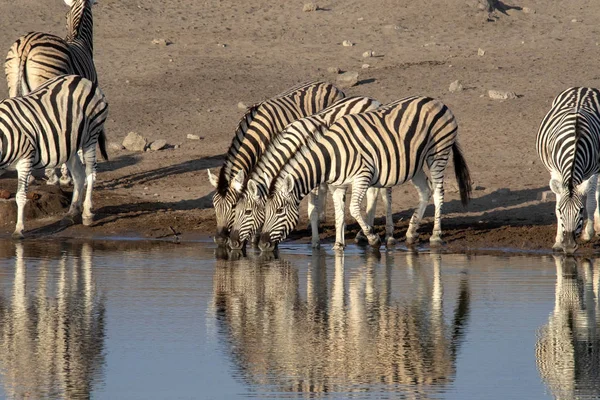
[135, 142]
[347, 43]
[193, 137]
[162, 42]
[365, 66]
[480, 52]
[158, 145]
[308, 7]
[242, 106]
[333, 70]
[501, 95]
[479, 188]
[368, 53]
[455, 86]
[528, 10]
[115, 146]
[347, 79]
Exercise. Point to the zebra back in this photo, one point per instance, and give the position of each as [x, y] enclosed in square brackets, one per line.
[50, 124]
[568, 141]
[263, 121]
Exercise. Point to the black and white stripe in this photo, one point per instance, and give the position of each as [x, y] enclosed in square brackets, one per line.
[381, 148]
[568, 143]
[261, 123]
[250, 208]
[48, 127]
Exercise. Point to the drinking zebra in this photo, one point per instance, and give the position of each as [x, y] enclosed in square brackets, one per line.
[46, 128]
[36, 57]
[250, 208]
[255, 130]
[381, 148]
[568, 143]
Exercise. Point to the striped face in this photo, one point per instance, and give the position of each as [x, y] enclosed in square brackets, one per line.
[224, 201]
[249, 215]
[281, 215]
[571, 213]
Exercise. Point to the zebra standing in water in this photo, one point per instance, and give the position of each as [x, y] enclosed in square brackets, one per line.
[261, 123]
[568, 142]
[36, 57]
[381, 148]
[46, 128]
[250, 208]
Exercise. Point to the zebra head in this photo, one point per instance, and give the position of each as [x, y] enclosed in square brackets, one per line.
[249, 215]
[281, 215]
[224, 200]
[569, 206]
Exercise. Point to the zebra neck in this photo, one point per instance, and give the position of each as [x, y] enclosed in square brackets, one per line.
[309, 167]
[80, 24]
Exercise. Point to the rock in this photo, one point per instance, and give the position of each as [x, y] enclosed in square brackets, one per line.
[528, 10]
[193, 137]
[308, 7]
[158, 145]
[501, 95]
[368, 53]
[365, 66]
[347, 43]
[479, 188]
[480, 52]
[115, 146]
[574, 20]
[4, 194]
[455, 86]
[347, 79]
[176, 146]
[135, 142]
[162, 42]
[546, 196]
[242, 106]
[333, 70]
[221, 45]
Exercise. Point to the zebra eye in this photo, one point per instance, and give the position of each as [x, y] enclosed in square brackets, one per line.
[248, 211]
[281, 211]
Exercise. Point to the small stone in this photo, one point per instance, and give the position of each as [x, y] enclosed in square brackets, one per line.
[479, 188]
[480, 52]
[146, 188]
[501, 95]
[4, 194]
[135, 142]
[347, 43]
[365, 66]
[333, 70]
[368, 53]
[155, 194]
[528, 10]
[193, 137]
[242, 106]
[574, 20]
[115, 146]
[176, 146]
[360, 19]
[546, 196]
[347, 79]
[308, 7]
[162, 42]
[221, 45]
[158, 145]
[455, 86]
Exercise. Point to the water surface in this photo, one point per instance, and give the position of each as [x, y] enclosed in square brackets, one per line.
[139, 320]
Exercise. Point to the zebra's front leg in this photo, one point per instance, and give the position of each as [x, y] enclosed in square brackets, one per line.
[339, 205]
[597, 211]
[361, 238]
[558, 240]
[89, 156]
[322, 204]
[359, 189]
[386, 196]
[438, 201]
[23, 171]
[422, 184]
[313, 216]
[590, 206]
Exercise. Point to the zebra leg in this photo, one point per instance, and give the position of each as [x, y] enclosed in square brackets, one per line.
[77, 172]
[421, 182]
[89, 156]
[322, 205]
[23, 171]
[359, 189]
[52, 177]
[438, 201]
[597, 211]
[558, 244]
[588, 232]
[339, 203]
[361, 238]
[65, 177]
[386, 196]
[313, 216]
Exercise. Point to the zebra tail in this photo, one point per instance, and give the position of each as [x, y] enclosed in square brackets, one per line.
[463, 177]
[102, 145]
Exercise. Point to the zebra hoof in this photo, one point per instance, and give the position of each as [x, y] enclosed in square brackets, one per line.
[557, 247]
[66, 182]
[361, 238]
[67, 220]
[338, 246]
[390, 241]
[436, 241]
[53, 181]
[87, 220]
[411, 241]
[17, 235]
[375, 241]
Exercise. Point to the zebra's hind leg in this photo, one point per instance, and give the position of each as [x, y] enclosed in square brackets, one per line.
[77, 172]
[89, 155]
[597, 211]
[313, 216]
[361, 238]
[386, 196]
[421, 182]
[23, 171]
[590, 206]
[322, 204]
[339, 205]
[359, 189]
[51, 176]
[65, 176]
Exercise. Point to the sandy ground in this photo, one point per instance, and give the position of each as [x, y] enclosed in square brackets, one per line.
[224, 52]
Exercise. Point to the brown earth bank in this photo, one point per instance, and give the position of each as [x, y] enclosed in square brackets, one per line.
[223, 52]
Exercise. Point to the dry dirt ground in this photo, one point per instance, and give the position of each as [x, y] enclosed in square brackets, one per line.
[224, 52]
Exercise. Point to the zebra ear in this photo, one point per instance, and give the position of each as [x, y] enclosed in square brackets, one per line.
[555, 186]
[288, 183]
[252, 188]
[238, 181]
[212, 179]
[69, 2]
[267, 179]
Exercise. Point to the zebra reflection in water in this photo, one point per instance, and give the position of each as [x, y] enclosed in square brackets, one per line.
[52, 326]
[568, 346]
[347, 332]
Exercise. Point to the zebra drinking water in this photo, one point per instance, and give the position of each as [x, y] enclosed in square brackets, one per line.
[261, 123]
[568, 143]
[381, 148]
[46, 128]
[36, 57]
[249, 210]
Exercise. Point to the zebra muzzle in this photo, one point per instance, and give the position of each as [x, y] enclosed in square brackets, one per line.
[569, 243]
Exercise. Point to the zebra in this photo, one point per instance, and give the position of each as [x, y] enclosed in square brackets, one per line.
[258, 126]
[36, 57]
[46, 128]
[568, 143]
[382, 148]
[249, 210]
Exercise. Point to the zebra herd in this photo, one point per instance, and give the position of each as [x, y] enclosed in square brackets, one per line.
[284, 150]
[55, 114]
